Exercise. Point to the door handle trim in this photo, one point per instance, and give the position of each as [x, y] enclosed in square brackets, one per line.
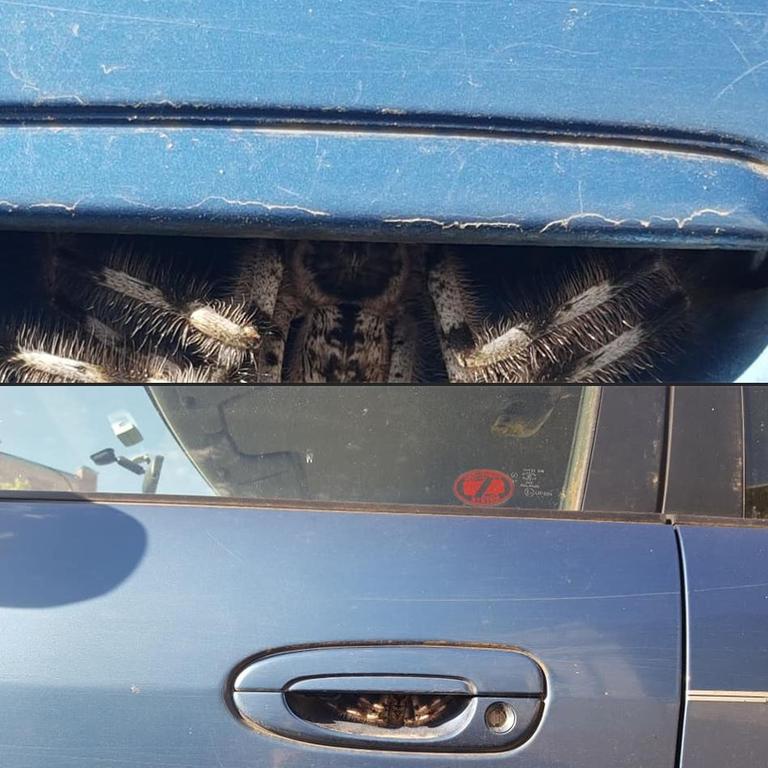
[488, 669]
[410, 684]
[291, 694]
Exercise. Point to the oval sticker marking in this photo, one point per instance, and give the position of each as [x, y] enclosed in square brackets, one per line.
[483, 488]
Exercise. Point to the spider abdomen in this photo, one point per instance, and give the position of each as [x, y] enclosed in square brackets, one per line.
[341, 344]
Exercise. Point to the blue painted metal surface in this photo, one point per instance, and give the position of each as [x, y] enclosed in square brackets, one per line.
[727, 649]
[638, 67]
[728, 597]
[140, 671]
[252, 181]
[445, 120]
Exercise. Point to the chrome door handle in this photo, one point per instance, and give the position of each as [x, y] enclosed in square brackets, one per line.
[399, 697]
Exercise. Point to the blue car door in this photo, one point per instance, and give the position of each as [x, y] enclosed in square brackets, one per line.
[192, 629]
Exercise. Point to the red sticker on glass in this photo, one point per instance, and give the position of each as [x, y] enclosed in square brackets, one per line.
[483, 488]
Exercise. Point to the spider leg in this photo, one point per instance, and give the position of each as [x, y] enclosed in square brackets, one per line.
[272, 353]
[155, 303]
[42, 351]
[262, 285]
[259, 277]
[345, 713]
[597, 326]
[456, 313]
[436, 708]
[403, 362]
[34, 352]
[423, 714]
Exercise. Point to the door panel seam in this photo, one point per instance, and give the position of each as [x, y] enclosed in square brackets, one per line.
[685, 650]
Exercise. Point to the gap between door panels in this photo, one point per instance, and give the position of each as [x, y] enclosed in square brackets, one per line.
[685, 649]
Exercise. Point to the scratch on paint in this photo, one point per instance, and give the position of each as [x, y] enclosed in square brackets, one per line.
[738, 79]
[224, 547]
[556, 598]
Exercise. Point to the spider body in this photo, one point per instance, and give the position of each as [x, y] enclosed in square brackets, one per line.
[339, 312]
[341, 302]
[394, 711]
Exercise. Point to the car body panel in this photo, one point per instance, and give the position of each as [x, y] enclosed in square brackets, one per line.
[135, 662]
[727, 650]
[646, 67]
[370, 185]
[632, 122]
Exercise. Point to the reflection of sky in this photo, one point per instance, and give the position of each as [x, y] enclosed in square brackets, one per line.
[62, 426]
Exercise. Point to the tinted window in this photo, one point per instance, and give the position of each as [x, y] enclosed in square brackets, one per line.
[477, 446]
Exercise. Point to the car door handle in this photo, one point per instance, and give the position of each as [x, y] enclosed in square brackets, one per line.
[402, 697]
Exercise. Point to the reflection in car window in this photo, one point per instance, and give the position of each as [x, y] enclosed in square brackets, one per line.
[470, 446]
[756, 451]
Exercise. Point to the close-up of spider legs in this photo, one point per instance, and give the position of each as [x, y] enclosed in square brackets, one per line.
[597, 323]
[394, 710]
[260, 310]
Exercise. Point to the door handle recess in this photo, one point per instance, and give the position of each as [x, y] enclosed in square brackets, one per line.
[400, 697]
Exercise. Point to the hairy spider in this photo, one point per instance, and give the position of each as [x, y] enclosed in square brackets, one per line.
[303, 311]
[394, 711]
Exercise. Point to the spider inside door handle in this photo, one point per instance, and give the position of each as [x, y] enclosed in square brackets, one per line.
[421, 698]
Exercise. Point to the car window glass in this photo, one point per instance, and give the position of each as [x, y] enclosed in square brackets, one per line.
[470, 446]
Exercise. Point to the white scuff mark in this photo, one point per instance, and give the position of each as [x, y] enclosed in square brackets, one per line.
[48, 98]
[359, 91]
[321, 159]
[9, 205]
[162, 103]
[228, 201]
[169, 143]
[491, 223]
[75, 29]
[256, 204]
[472, 82]
[681, 223]
[63, 206]
[696, 214]
[27, 84]
[108, 69]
